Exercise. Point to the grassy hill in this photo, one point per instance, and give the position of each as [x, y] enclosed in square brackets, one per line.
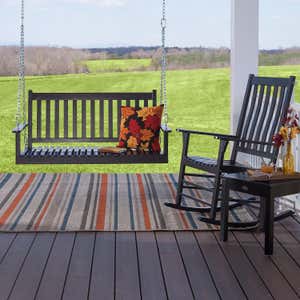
[117, 65]
[198, 99]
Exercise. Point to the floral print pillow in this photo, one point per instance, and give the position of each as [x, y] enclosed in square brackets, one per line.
[140, 127]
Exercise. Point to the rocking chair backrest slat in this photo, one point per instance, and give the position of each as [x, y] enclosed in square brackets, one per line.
[265, 105]
[79, 117]
[271, 109]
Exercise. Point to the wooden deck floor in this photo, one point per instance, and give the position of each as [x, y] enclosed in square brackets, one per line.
[162, 265]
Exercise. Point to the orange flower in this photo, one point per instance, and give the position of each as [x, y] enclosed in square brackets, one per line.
[122, 123]
[123, 133]
[145, 146]
[146, 135]
[132, 142]
[284, 132]
[294, 132]
[143, 113]
[150, 111]
[127, 111]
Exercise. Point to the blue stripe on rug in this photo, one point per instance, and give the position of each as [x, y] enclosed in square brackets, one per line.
[5, 180]
[70, 206]
[130, 203]
[28, 202]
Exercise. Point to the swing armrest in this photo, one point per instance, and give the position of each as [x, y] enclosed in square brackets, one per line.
[165, 129]
[20, 128]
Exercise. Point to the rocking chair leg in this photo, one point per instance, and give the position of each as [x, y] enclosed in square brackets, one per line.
[185, 144]
[215, 197]
[180, 184]
[179, 189]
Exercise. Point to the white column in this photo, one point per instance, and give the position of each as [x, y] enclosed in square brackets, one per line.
[244, 51]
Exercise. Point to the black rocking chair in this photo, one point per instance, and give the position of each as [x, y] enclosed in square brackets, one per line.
[265, 105]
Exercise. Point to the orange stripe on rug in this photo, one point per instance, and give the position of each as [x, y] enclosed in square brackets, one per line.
[37, 224]
[102, 204]
[144, 203]
[184, 221]
[17, 199]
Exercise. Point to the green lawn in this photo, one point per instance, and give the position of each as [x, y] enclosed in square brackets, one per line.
[198, 99]
[117, 65]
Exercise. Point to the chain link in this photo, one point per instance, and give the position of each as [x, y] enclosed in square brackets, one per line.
[21, 98]
[163, 80]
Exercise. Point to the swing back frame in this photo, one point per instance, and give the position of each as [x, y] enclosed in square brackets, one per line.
[64, 120]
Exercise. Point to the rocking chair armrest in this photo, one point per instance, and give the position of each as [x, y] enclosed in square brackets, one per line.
[20, 128]
[165, 128]
[215, 135]
[236, 139]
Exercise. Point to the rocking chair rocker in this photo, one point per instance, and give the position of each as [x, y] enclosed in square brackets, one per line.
[265, 104]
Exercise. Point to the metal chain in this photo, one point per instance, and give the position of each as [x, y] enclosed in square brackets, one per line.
[21, 100]
[163, 80]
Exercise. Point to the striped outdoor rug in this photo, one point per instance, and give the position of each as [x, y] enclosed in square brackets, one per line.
[95, 202]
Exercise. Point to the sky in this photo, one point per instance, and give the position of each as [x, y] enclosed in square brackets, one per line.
[106, 23]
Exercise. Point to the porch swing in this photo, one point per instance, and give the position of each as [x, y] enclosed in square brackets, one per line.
[64, 117]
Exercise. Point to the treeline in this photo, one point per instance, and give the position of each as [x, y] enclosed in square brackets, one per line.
[43, 60]
[194, 58]
[55, 60]
[125, 52]
[289, 56]
[197, 57]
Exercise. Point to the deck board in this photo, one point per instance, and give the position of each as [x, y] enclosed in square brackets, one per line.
[78, 277]
[293, 226]
[149, 265]
[275, 281]
[225, 280]
[103, 272]
[29, 278]
[176, 279]
[284, 263]
[288, 242]
[12, 263]
[127, 273]
[52, 283]
[242, 267]
[152, 282]
[6, 240]
[200, 278]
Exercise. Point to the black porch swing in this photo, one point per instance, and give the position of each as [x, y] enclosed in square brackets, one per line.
[64, 118]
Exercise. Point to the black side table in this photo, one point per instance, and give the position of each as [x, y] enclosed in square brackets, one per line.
[268, 191]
